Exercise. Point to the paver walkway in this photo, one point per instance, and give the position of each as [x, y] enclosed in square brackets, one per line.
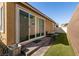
[34, 48]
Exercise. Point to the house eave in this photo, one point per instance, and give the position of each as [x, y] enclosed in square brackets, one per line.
[37, 11]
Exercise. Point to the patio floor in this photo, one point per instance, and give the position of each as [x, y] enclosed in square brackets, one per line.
[33, 48]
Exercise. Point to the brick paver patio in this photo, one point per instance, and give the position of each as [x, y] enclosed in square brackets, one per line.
[32, 48]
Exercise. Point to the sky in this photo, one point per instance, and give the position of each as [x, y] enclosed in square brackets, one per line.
[60, 12]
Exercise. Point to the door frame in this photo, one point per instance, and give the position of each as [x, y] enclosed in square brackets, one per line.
[18, 8]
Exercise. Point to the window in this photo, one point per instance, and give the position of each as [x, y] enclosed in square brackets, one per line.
[1, 19]
[24, 21]
[42, 27]
[39, 27]
[32, 26]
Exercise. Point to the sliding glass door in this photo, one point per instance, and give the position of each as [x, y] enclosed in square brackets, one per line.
[24, 29]
[39, 27]
[32, 26]
[42, 27]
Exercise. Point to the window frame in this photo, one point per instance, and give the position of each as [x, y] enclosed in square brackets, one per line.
[1, 19]
[18, 7]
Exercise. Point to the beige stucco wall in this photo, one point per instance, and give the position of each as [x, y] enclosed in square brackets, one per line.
[50, 26]
[11, 24]
[73, 31]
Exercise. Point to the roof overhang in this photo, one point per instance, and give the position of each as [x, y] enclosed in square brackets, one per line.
[37, 11]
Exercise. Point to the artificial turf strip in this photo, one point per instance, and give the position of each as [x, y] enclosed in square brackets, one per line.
[60, 47]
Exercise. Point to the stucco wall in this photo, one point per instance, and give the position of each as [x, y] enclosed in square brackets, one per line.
[50, 26]
[73, 31]
[11, 23]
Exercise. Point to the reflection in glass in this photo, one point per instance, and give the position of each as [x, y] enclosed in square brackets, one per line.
[32, 26]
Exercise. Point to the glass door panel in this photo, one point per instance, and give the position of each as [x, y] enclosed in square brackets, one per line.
[24, 29]
[32, 26]
[41, 27]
